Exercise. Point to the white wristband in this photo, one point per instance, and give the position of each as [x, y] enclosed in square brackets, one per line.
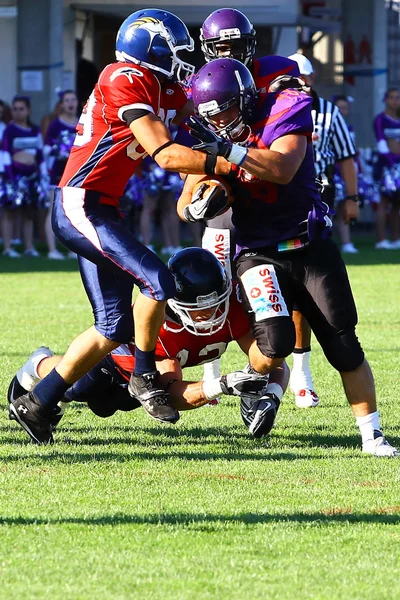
[237, 154]
[212, 388]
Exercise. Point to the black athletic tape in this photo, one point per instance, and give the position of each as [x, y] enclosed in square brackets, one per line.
[211, 161]
[162, 148]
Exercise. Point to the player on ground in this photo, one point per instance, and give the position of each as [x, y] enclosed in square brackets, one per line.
[203, 317]
[118, 127]
[284, 252]
[228, 33]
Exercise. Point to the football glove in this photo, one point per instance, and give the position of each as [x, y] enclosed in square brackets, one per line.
[258, 413]
[238, 383]
[206, 203]
[284, 82]
[210, 142]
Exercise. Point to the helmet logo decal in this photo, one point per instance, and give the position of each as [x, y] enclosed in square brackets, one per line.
[208, 300]
[205, 108]
[153, 27]
[228, 34]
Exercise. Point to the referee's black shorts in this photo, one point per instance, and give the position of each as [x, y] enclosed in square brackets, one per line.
[314, 278]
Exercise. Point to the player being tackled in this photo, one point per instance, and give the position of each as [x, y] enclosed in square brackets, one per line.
[203, 317]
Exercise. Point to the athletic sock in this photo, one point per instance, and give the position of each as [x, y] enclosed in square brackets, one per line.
[144, 362]
[301, 373]
[275, 388]
[368, 424]
[50, 390]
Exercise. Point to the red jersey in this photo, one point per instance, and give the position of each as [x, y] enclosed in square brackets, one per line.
[105, 153]
[189, 349]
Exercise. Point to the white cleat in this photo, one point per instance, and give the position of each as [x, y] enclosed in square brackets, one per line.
[302, 385]
[28, 376]
[306, 398]
[379, 446]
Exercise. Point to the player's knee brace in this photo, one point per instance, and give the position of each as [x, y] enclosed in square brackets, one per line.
[344, 351]
[275, 339]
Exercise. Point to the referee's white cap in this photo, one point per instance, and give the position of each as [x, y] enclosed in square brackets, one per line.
[305, 65]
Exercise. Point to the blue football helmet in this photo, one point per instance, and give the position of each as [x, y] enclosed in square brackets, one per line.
[201, 284]
[153, 38]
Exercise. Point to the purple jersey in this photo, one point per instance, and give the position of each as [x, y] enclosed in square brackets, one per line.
[17, 139]
[386, 128]
[268, 68]
[59, 139]
[266, 213]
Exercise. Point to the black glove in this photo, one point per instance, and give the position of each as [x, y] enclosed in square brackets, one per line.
[206, 203]
[211, 143]
[284, 82]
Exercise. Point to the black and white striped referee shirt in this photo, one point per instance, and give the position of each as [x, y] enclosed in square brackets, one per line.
[332, 140]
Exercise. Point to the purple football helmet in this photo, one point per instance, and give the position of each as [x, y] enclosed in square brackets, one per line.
[219, 85]
[228, 33]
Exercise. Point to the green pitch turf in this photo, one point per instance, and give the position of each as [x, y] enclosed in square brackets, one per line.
[124, 508]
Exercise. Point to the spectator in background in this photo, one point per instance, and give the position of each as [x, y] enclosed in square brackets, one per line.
[387, 172]
[47, 119]
[5, 117]
[333, 145]
[25, 176]
[343, 104]
[160, 193]
[58, 142]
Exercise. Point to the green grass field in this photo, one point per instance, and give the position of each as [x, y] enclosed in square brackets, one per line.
[124, 508]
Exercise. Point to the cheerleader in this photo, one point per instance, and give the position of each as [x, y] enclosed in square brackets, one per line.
[387, 132]
[25, 181]
[59, 139]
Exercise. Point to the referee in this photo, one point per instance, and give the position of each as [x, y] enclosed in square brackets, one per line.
[333, 145]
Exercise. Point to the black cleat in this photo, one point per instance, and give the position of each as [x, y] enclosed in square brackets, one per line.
[29, 413]
[259, 414]
[15, 390]
[146, 389]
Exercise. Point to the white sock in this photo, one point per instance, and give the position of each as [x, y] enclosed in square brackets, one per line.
[212, 370]
[367, 425]
[301, 375]
[275, 388]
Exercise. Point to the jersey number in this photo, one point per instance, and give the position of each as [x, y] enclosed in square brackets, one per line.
[210, 352]
[85, 123]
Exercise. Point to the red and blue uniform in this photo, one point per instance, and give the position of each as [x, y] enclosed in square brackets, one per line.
[110, 377]
[105, 154]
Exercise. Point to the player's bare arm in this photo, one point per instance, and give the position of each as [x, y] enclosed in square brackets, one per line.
[280, 163]
[154, 137]
[348, 172]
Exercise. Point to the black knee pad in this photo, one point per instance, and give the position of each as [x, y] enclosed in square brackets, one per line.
[344, 351]
[275, 337]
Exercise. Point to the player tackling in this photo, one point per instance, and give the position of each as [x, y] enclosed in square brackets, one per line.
[284, 255]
